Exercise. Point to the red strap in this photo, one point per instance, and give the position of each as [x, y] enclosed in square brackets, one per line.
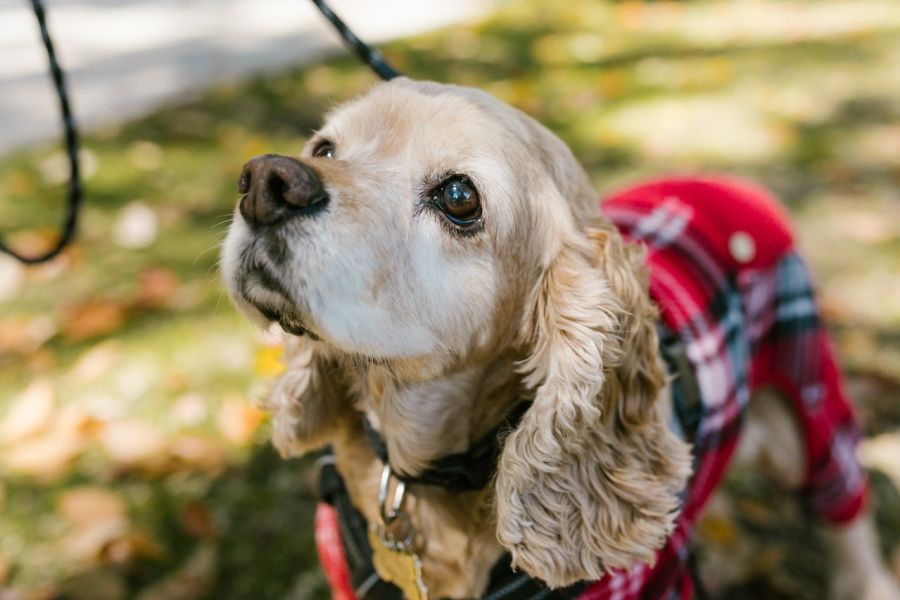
[331, 553]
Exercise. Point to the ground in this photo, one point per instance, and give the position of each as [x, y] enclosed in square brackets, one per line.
[133, 462]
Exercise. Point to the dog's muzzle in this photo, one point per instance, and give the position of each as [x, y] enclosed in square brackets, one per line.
[277, 188]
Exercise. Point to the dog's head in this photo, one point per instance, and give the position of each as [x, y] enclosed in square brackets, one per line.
[426, 226]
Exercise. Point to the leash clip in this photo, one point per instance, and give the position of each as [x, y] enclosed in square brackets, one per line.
[392, 519]
[392, 540]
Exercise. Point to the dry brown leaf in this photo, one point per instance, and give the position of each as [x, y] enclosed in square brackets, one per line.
[92, 318]
[189, 409]
[882, 452]
[158, 287]
[193, 580]
[132, 443]
[197, 452]
[35, 241]
[74, 420]
[268, 360]
[238, 421]
[12, 276]
[47, 457]
[197, 521]
[88, 544]
[97, 362]
[87, 505]
[132, 545]
[718, 531]
[31, 413]
[23, 335]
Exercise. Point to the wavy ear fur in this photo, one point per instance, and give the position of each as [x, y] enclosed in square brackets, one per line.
[589, 480]
[305, 402]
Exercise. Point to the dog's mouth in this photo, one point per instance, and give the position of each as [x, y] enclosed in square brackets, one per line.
[263, 291]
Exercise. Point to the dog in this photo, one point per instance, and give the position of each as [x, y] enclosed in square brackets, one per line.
[519, 391]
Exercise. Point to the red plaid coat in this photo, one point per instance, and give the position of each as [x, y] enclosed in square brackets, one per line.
[731, 287]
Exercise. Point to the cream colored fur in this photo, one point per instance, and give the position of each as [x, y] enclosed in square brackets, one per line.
[435, 336]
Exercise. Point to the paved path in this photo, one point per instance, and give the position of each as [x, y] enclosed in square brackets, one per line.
[125, 57]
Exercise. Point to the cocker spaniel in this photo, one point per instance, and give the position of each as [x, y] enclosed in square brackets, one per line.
[521, 391]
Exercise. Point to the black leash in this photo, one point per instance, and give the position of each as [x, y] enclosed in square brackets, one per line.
[366, 53]
[67, 231]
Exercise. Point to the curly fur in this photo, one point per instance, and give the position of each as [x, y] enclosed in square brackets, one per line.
[589, 480]
[546, 302]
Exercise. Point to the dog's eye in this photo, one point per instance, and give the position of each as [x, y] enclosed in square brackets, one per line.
[324, 149]
[458, 199]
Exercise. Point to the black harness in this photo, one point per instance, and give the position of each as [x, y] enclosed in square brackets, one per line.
[473, 470]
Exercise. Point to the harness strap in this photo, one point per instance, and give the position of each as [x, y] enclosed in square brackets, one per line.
[504, 583]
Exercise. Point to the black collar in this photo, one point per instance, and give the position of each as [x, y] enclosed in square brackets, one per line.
[461, 472]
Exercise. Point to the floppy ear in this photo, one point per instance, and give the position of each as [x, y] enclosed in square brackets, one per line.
[589, 480]
[305, 402]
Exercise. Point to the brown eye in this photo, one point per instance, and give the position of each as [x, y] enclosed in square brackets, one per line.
[459, 200]
[324, 149]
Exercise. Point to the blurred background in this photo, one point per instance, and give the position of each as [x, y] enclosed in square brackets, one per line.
[133, 463]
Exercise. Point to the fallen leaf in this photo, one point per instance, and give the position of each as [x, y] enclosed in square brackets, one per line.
[136, 226]
[12, 276]
[157, 287]
[31, 412]
[198, 452]
[35, 241]
[47, 457]
[87, 505]
[718, 531]
[197, 521]
[189, 409]
[194, 579]
[132, 443]
[131, 546]
[23, 335]
[74, 421]
[96, 362]
[238, 421]
[268, 361]
[88, 544]
[92, 318]
[882, 452]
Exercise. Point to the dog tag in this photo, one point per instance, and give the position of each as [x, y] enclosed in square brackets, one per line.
[401, 567]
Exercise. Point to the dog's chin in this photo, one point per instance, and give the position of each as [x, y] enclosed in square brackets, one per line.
[264, 307]
[288, 319]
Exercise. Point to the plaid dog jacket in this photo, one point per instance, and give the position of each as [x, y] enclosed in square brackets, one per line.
[731, 287]
[739, 299]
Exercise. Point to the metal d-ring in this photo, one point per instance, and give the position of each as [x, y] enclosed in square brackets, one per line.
[388, 515]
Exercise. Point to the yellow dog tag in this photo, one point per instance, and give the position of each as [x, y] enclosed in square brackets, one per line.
[401, 567]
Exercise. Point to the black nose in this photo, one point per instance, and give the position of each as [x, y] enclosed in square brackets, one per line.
[277, 187]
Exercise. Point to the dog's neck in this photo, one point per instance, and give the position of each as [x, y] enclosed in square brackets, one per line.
[425, 420]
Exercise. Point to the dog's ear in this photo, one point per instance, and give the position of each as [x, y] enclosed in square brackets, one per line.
[589, 480]
[306, 400]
